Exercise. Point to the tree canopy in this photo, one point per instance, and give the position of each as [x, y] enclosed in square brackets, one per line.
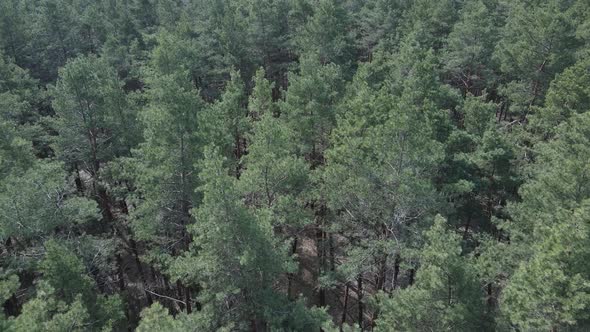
[294, 165]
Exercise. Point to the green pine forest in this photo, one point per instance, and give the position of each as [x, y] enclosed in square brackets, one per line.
[294, 165]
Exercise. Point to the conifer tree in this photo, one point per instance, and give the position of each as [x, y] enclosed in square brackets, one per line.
[549, 289]
[327, 32]
[93, 114]
[536, 42]
[310, 106]
[225, 122]
[446, 295]
[232, 240]
[568, 95]
[165, 162]
[66, 299]
[468, 55]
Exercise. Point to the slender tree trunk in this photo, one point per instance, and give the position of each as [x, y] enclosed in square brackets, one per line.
[344, 307]
[291, 276]
[467, 224]
[320, 244]
[140, 270]
[120, 272]
[179, 290]
[396, 271]
[490, 300]
[187, 293]
[105, 205]
[332, 252]
[175, 307]
[360, 300]
[78, 181]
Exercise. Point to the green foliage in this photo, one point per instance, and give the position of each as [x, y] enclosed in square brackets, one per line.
[477, 114]
[157, 318]
[327, 33]
[445, 296]
[65, 298]
[260, 101]
[568, 94]
[272, 168]
[550, 287]
[16, 153]
[471, 42]
[225, 227]
[310, 105]
[37, 202]
[14, 32]
[225, 123]
[379, 22]
[93, 115]
[164, 164]
[229, 164]
[431, 21]
[537, 42]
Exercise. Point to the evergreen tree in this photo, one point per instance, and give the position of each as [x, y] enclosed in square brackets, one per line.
[470, 46]
[568, 95]
[445, 296]
[152, 178]
[310, 106]
[431, 21]
[269, 28]
[233, 241]
[96, 122]
[66, 299]
[164, 167]
[379, 23]
[15, 35]
[226, 124]
[549, 289]
[536, 42]
[327, 33]
[378, 178]
[39, 201]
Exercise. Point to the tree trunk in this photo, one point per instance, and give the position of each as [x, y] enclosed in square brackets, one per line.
[291, 276]
[140, 270]
[360, 300]
[344, 307]
[466, 230]
[396, 271]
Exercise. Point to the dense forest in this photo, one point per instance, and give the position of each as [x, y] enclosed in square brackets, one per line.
[294, 165]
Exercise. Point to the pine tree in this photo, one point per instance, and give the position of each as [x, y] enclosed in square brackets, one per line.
[310, 106]
[164, 166]
[536, 42]
[430, 21]
[549, 289]
[15, 35]
[234, 241]
[468, 55]
[39, 201]
[226, 123]
[66, 299]
[379, 23]
[269, 28]
[568, 94]
[446, 295]
[95, 120]
[275, 179]
[378, 179]
[327, 33]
